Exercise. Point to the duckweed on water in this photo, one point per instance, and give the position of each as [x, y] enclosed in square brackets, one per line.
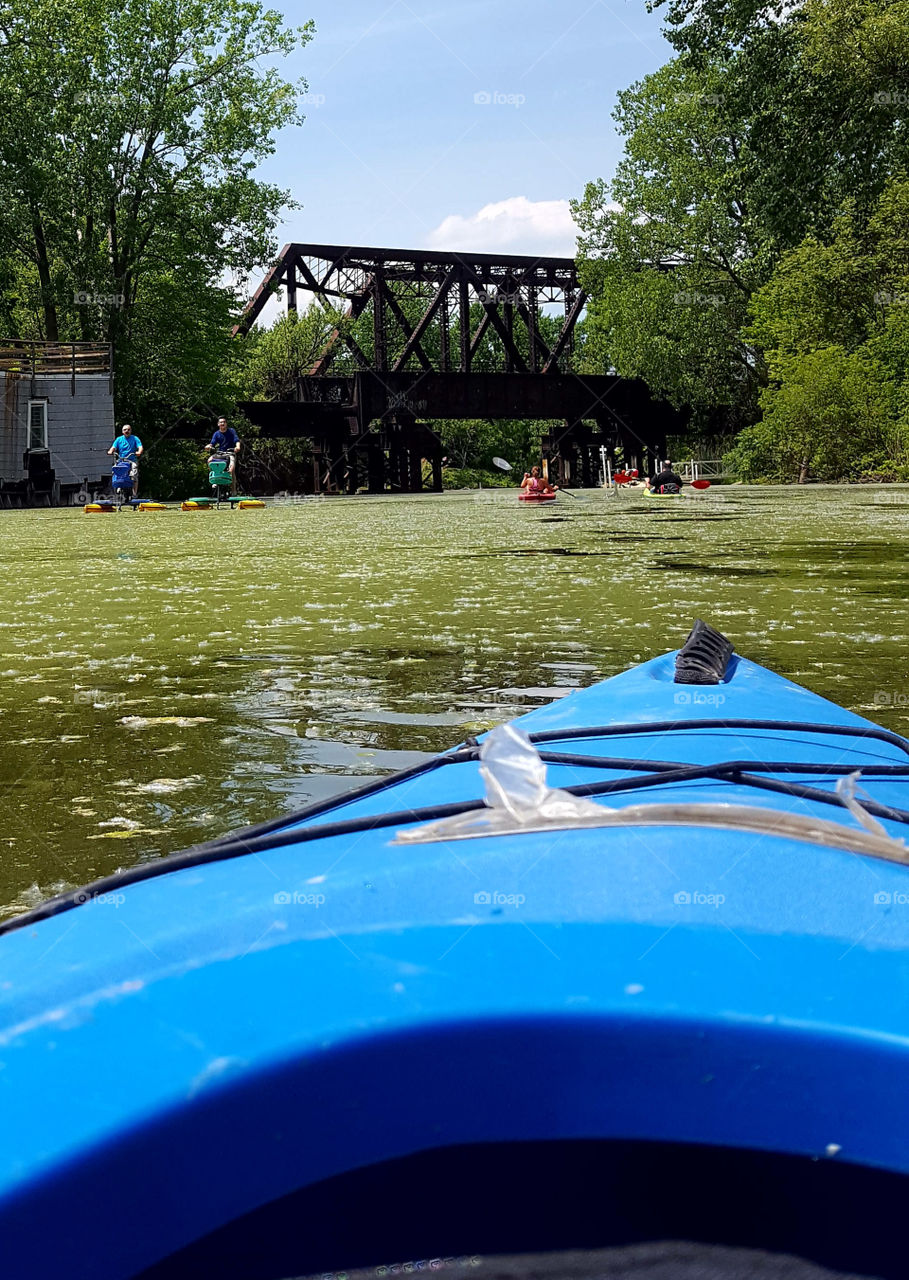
[278, 659]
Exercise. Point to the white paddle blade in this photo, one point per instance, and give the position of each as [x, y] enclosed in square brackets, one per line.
[501, 464]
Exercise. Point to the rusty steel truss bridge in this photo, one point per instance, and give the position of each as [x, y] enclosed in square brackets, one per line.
[419, 335]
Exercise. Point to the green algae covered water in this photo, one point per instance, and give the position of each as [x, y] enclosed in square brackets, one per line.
[167, 677]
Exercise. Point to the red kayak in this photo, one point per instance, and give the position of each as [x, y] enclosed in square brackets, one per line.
[537, 497]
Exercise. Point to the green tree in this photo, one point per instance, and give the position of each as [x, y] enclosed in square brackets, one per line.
[837, 291]
[174, 469]
[276, 357]
[473, 443]
[831, 415]
[668, 250]
[833, 321]
[774, 123]
[127, 189]
[271, 362]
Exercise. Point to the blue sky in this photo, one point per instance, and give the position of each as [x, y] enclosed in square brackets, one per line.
[465, 126]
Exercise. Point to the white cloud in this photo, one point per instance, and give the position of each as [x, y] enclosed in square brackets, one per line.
[515, 225]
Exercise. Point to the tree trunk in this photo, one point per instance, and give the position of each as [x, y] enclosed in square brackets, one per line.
[52, 332]
[85, 314]
[85, 325]
[803, 470]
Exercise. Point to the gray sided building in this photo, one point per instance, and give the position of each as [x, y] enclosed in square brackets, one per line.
[56, 421]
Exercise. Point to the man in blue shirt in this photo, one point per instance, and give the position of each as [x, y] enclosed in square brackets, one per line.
[225, 440]
[126, 444]
[128, 448]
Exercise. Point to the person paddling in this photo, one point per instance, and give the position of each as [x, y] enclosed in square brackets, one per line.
[665, 480]
[533, 482]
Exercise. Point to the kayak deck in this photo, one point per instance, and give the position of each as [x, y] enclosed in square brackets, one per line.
[321, 995]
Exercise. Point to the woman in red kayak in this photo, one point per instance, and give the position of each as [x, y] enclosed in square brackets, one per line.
[534, 482]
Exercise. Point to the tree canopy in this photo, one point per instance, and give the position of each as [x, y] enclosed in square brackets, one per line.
[128, 195]
[751, 222]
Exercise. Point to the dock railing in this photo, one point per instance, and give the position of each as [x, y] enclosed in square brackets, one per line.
[703, 469]
[28, 358]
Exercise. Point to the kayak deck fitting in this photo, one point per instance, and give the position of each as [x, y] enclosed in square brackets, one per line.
[309, 1045]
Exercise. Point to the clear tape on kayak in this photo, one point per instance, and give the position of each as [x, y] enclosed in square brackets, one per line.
[518, 801]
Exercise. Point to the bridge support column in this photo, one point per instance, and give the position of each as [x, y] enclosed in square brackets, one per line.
[394, 468]
[568, 463]
[375, 467]
[397, 458]
[406, 439]
[586, 465]
[353, 470]
[334, 472]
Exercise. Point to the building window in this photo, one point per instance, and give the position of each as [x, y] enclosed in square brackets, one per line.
[37, 424]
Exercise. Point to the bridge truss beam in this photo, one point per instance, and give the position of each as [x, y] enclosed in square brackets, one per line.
[510, 288]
